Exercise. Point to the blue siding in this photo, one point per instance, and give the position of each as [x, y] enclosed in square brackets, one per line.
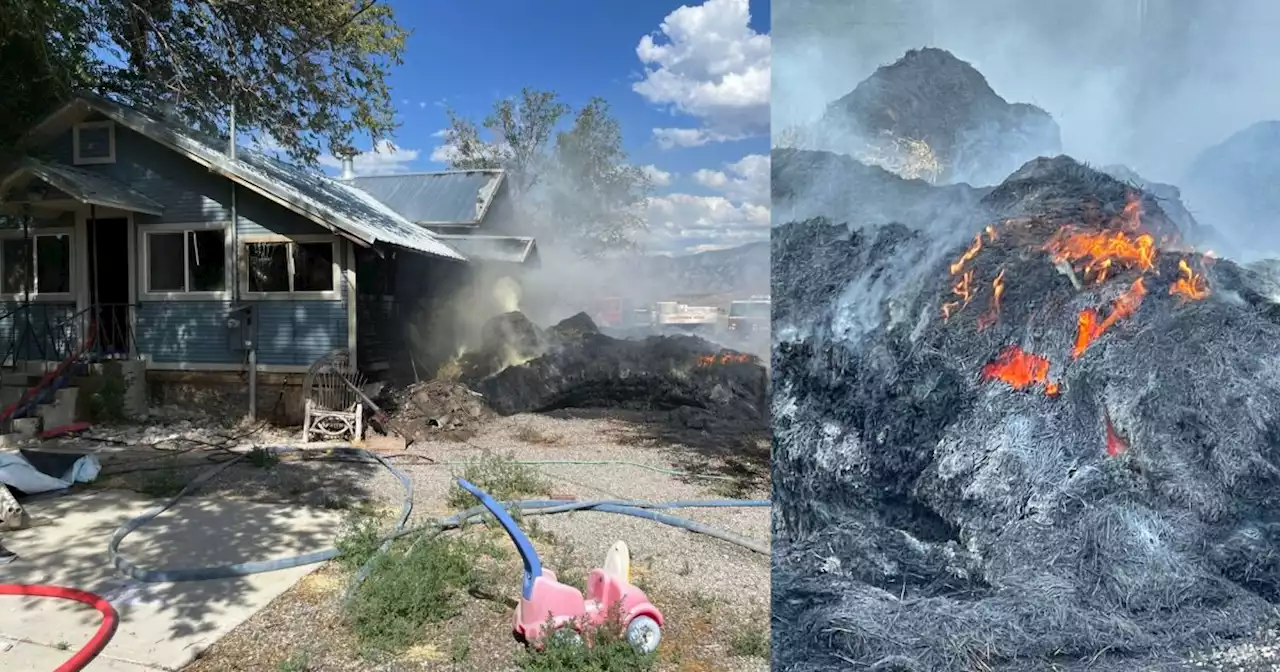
[185, 331]
[194, 332]
[289, 332]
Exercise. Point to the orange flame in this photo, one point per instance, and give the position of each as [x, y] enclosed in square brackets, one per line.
[725, 357]
[1100, 250]
[1090, 327]
[962, 288]
[1020, 369]
[993, 311]
[1190, 286]
[968, 255]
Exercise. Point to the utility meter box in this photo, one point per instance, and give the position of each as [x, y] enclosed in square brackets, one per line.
[242, 328]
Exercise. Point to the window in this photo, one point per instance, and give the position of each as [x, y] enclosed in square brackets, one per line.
[44, 260]
[94, 142]
[291, 267]
[186, 261]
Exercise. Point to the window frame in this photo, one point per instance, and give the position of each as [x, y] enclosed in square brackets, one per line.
[78, 160]
[72, 276]
[332, 295]
[145, 231]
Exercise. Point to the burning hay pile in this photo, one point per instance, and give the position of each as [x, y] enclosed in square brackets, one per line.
[934, 117]
[1058, 447]
[521, 368]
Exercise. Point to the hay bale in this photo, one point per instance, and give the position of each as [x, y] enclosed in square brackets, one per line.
[930, 518]
[932, 99]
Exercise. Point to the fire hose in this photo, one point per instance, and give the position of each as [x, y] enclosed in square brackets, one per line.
[95, 645]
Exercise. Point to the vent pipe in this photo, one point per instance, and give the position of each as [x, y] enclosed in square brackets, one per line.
[348, 167]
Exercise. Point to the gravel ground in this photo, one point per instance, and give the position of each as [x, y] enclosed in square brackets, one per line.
[715, 595]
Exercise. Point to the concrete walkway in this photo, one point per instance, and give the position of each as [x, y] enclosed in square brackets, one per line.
[162, 626]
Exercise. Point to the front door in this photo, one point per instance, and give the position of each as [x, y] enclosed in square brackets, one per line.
[109, 283]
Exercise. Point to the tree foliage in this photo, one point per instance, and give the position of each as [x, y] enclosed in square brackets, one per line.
[310, 74]
[573, 184]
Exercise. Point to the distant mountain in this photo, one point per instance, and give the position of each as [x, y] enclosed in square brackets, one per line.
[742, 270]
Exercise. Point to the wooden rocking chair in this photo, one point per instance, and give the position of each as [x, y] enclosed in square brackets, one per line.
[332, 407]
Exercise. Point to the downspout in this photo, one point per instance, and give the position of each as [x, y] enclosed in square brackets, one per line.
[235, 283]
[95, 322]
[26, 280]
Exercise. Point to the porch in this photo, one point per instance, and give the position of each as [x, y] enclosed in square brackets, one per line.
[67, 264]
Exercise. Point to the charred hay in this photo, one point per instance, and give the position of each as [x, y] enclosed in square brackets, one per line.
[1116, 513]
[929, 96]
[576, 366]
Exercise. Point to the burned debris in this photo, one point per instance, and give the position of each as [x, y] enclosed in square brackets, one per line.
[573, 365]
[1056, 443]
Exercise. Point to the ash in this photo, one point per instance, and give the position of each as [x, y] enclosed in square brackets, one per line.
[928, 517]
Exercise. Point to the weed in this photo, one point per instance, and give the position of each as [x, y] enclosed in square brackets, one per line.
[461, 650]
[750, 641]
[359, 540]
[262, 458]
[106, 405]
[501, 476]
[605, 649]
[527, 434]
[63, 646]
[162, 483]
[409, 587]
[300, 661]
[704, 603]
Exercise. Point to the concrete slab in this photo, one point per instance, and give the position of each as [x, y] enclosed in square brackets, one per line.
[162, 626]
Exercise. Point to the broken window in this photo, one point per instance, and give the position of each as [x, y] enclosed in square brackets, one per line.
[313, 267]
[291, 266]
[48, 271]
[187, 261]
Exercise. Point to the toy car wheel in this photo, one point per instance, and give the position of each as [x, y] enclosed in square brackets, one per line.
[643, 634]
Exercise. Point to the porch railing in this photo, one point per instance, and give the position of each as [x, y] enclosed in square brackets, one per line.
[39, 332]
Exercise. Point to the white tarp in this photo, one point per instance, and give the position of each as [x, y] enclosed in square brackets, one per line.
[17, 472]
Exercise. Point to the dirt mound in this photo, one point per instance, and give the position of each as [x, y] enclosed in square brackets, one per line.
[438, 407]
[1057, 447]
[931, 107]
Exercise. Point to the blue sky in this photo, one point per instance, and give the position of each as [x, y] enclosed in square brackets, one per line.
[692, 98]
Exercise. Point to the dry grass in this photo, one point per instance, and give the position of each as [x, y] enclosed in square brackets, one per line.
[535, 437]
[308, 628]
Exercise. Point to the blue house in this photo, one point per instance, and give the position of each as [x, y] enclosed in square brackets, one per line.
[133, 236]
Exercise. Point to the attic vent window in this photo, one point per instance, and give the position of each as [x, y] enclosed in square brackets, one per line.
[94, 142]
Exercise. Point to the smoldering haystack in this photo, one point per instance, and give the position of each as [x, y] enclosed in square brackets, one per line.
[521, 368]
[933, 116]
[1058, 448]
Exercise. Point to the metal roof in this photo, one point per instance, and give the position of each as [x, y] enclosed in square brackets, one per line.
[511, 249]
[459, 197]
[85, 186]
[325, 201]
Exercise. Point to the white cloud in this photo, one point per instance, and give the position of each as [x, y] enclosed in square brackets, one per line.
[710, 65]
[737, 215]
[384, 158]
[657, 176]
[747, 179]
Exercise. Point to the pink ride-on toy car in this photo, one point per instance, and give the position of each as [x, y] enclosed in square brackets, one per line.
[544, 601]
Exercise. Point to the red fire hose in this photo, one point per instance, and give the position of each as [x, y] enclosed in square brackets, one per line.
[98, 642]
